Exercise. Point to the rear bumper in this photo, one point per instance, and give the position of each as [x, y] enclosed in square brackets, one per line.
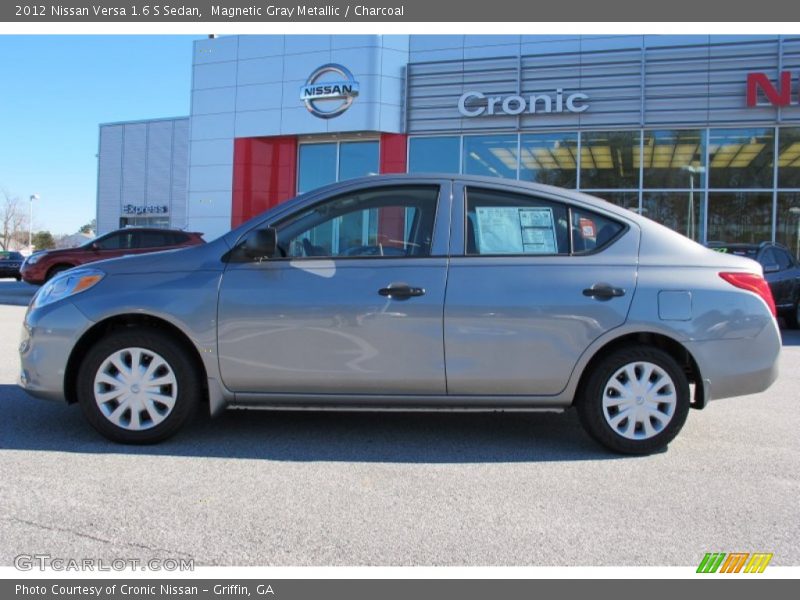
[48, 336]
[737, 367]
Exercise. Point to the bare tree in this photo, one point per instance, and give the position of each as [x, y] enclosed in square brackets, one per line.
[13, 220]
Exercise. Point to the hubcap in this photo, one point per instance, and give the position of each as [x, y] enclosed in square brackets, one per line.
[639, 400]
[135, 389]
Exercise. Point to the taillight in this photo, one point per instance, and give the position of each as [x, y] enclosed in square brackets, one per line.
[752, 283]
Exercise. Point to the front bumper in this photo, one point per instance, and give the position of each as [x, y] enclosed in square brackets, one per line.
[48, 336]
[737, 367]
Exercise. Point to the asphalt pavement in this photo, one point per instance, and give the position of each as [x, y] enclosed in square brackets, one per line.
[306, 488]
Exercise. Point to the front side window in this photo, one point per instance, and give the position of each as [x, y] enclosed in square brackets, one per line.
[380, 222]
[507, 223]
[116, 241]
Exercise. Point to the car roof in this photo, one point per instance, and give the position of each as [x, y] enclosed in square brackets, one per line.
[160, 229]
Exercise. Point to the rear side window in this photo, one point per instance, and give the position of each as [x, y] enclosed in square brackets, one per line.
[175, 238]
[507, 223]
[153, 239]
[592, 232]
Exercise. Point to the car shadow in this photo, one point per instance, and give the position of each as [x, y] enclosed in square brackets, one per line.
[395, 437]
[790, 337]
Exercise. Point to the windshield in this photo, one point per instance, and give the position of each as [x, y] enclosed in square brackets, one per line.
[5, 255]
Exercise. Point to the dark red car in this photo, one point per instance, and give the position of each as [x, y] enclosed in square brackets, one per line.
[41, 266]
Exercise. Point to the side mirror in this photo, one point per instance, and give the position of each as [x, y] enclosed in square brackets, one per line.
[95, 246]
[261, 243]
[771, 268]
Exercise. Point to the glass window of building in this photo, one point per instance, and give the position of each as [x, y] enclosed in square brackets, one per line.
[740, 217]
[788, 225]
[680, 211]
[550, 158]
[434, 154]
[741, 158]
[629, 200]
[609, 160]
[358, 159]
[491, 155]
[317, 166]
[673, 159]
[789, 157]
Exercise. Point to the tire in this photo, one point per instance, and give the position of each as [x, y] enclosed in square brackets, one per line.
[55, 271]
[18, 278]
[109, 398]
[649, 420]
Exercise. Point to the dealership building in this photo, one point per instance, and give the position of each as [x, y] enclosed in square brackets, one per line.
[700, 133]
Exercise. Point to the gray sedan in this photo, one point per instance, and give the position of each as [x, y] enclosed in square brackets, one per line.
[412, 292]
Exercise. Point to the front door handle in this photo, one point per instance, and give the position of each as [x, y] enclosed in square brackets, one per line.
[603, 291]
[401, 291]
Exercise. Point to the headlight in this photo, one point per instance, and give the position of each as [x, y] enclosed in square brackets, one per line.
[68, 284]
[34, 258]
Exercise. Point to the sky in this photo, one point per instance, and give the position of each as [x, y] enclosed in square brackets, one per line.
[56, 90]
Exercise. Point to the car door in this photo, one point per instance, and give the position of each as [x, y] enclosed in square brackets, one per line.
[775, 276]
[532, 282]
[353, 307]
[789, 278]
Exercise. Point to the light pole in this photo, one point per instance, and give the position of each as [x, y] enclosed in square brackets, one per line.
[795, 210]
[692, 170]
[30, 224]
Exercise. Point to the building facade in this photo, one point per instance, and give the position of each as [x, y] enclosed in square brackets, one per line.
[142, 174]
[701, 133]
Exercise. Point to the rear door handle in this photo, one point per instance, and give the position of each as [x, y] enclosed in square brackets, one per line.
[401, 291]
[603, 291]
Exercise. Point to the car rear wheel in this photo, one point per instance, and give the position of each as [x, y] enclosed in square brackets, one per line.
[635, 401]
[137, 386]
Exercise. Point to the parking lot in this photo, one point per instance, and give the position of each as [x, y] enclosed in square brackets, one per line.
[304, 488]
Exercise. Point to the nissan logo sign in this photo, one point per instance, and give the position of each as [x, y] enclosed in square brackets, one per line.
[329, 91]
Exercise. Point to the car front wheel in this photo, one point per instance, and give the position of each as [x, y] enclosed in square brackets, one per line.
[635, 400]
[137, 386]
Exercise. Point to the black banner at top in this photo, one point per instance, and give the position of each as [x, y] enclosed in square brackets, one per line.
[265, 11]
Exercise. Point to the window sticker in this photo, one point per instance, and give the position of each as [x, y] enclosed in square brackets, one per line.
[515, 230]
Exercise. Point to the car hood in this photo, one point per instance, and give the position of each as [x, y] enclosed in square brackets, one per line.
[174, 260]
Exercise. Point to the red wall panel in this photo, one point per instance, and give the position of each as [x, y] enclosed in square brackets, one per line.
[264, 174]
[391, 221]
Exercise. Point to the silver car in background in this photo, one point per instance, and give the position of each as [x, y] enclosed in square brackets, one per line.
[412, 292]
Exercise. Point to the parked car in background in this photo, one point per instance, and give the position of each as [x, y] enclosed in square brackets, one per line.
[781, 270]
[43, 266]
[10, 262]
[412, 292]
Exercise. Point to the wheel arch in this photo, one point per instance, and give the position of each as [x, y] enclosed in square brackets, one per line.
[52, 268]
[669, 345]
[122, 321]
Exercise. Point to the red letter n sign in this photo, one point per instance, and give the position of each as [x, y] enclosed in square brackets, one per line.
[780, 97]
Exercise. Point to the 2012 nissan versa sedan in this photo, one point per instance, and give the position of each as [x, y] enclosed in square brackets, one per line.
[412, 292]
